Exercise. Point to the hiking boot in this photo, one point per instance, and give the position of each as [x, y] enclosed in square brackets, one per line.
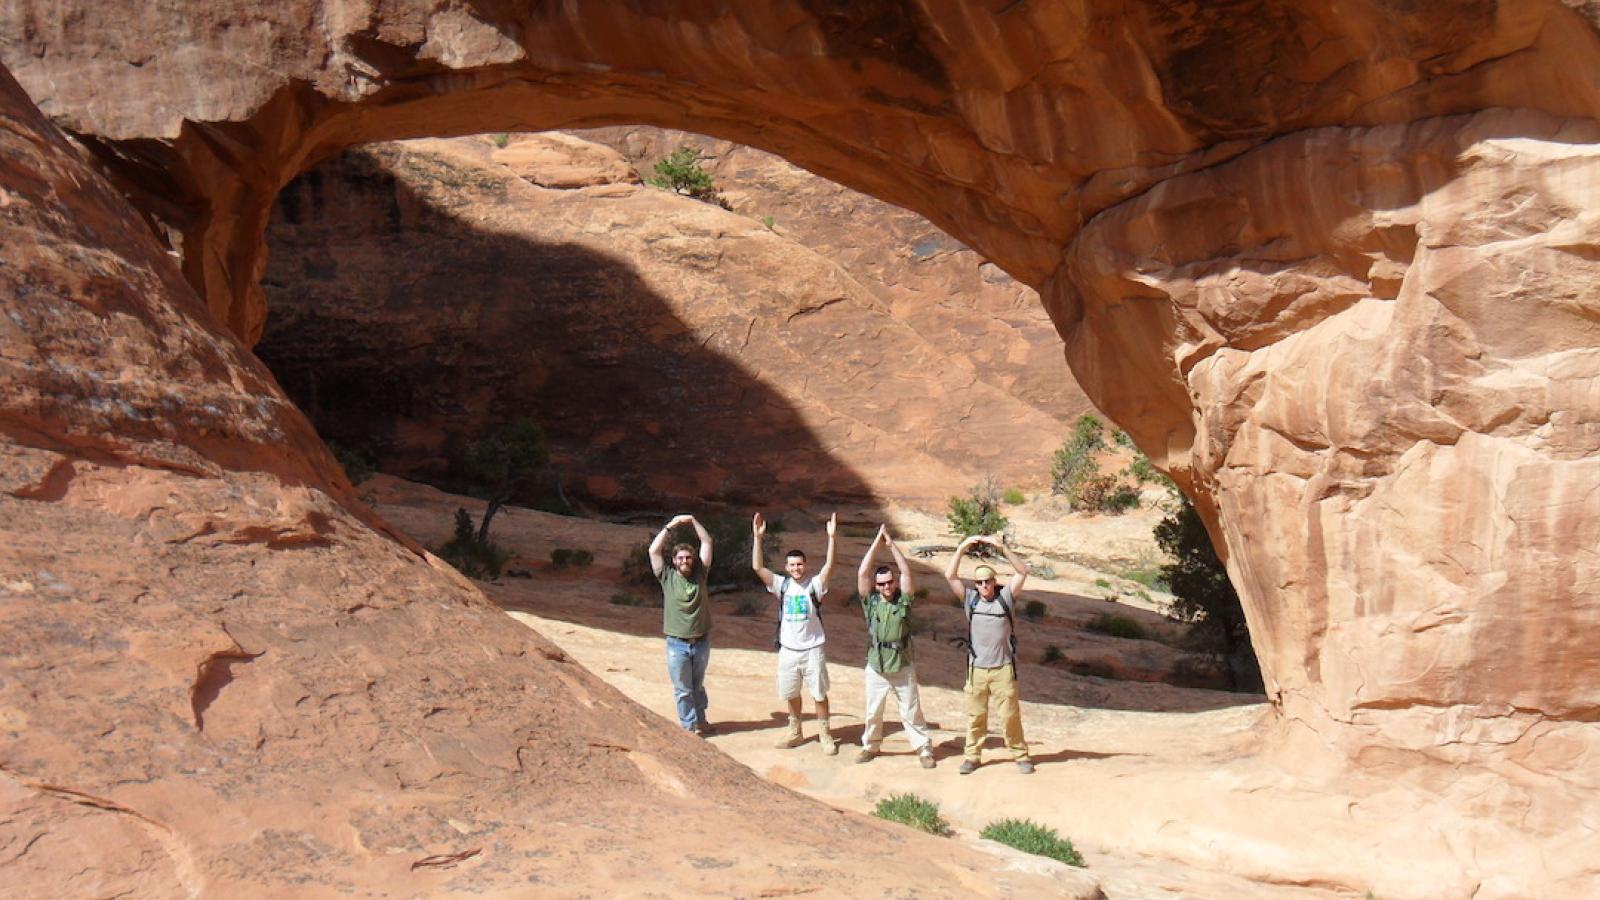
[704, 729]
[825, 737]
[867, 754]
[968, 766]
[793, 737]
[926, 758]
[1025, 766]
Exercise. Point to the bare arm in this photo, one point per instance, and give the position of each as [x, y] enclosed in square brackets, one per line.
[833, 545]
[758, 559]
[658, 563]
[951, 576]
[864, 574]
[705, 542]
[1017, 564]
[906, 586]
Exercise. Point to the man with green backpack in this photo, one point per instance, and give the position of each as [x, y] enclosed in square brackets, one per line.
[992, 652]
[886, 600]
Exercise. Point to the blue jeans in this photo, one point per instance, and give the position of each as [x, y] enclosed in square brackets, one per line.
[686, 664]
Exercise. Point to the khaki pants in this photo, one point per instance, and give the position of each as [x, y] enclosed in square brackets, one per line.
[1000, 684]
[903, 684]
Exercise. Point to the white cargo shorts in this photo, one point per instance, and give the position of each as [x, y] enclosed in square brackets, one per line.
[808, 667]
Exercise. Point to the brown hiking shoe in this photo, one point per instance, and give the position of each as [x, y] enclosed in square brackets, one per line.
[829, 745]
[968, 766]
[867, 754]
[791, 738]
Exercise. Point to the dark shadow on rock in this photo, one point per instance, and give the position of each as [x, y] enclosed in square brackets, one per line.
[404, 330]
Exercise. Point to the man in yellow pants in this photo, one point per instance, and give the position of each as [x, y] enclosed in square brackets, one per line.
[992, 649]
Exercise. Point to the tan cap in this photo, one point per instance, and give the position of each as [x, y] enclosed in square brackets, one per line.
[983, 572]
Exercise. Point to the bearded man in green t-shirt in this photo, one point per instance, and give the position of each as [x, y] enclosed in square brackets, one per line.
[686, 620]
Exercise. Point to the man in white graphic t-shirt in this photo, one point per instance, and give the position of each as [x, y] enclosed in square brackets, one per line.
[802, 657]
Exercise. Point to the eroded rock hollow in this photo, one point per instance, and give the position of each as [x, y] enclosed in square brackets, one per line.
[1332, 266]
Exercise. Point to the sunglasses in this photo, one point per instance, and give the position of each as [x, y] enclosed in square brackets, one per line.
[884, 583]
[984, 581]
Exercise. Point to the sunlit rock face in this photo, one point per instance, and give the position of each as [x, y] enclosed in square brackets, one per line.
[1389, 339]
[1335, 271]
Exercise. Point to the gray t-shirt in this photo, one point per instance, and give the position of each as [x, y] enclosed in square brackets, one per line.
[991, 628]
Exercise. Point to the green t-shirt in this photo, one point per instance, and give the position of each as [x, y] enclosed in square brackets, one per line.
[685, 611]
[888, 621]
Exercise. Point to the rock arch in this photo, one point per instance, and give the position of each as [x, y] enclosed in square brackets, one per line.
[1332, 268]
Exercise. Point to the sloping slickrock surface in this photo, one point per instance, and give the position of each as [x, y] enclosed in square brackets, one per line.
[426, 292]
[217, 679]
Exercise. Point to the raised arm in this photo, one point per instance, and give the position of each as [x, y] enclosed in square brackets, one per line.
[906, 586]
[951, 572]
[1017, 563]
[864, 574]
[833, 546]
[758, 559]
[705, 541]
[658, 563]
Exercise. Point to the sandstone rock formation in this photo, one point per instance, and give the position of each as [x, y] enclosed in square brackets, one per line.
[1433, 493]
[425, 292]
[218, 678]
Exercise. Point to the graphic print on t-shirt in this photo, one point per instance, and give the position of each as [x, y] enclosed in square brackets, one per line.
[801, 626]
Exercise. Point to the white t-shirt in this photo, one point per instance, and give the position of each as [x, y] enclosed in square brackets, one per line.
[802, 627]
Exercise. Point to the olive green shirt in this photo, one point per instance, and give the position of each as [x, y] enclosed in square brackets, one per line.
[685, 608]
[888, 620]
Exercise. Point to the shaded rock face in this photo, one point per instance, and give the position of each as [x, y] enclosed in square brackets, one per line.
[1036, 133]
[675, 352]
[218, 677]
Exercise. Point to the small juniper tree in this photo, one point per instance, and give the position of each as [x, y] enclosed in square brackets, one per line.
[1074, 465]
[1203, 595]
[680, 173]
[502, 463]
[978, 512]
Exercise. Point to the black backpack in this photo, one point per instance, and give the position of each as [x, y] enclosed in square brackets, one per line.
[1005, 610]
[783, 588]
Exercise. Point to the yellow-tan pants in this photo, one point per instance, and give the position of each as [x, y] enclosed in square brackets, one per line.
[1000, 684]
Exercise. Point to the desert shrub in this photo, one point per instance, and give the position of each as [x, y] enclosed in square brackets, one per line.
[920, 593]
[472, 557]
[1203, 596]
[746, 605]
[500, 464]
[1014, 496]
[909, 809]
[1031, 837]
[1044, 570]
[1122, 439]
[1102, 583]
[1074, 463]
[1052, 654]
[680, 173]
[1104, 494]
[1113, 625]
[560, 558]
[1033, 610]
[620, 599]
[636, 568]
[502, 139]
[768, 222]
[1142, 471]
[978, 513]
